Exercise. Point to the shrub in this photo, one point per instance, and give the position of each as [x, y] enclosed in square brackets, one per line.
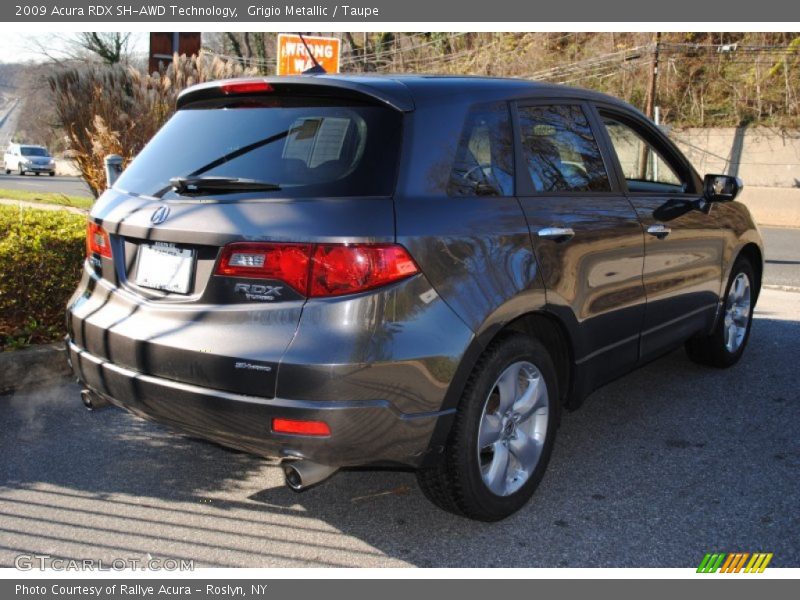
[116, 110]
[41, 255]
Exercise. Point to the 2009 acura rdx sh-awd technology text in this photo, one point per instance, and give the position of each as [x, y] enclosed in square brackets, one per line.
[418, 271]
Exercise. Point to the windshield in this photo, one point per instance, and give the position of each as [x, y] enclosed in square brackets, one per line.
[33, 151]
[302, 151]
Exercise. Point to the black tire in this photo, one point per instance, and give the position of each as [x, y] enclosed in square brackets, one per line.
[711, 350]
[37, 173]
[8, 171]
[52, 173]
[21, 173]
[455, 483]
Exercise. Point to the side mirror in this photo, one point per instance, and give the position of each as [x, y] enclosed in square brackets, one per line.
[721, 188]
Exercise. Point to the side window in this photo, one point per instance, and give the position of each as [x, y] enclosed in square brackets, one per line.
[484, 163]
[644, 168]
[560, 150]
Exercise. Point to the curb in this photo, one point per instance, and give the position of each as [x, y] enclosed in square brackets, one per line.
[42, 364]
[782, 288]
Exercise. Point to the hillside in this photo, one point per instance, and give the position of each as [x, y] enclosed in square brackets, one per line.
[705, 79]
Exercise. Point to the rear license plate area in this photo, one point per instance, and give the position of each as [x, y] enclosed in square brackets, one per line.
[165, 267]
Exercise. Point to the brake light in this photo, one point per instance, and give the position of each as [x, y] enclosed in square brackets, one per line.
[318, 428]
[97, 241]
[245, 87]
[319, 270]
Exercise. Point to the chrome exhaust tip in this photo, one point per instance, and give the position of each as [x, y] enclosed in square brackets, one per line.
[92, 401]
[302, 474]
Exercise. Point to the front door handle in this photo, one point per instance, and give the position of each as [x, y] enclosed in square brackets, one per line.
[658, 230]
[559, 234]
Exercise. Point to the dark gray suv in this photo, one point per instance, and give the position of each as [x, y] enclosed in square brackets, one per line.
[414, 271]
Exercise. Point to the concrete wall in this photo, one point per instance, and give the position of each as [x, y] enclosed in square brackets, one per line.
[66, 167]
[761, 157]
[767, 161]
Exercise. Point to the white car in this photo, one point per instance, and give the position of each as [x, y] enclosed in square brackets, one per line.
[28, 158]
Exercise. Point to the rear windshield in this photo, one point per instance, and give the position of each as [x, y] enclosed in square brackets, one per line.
[32, 151]
[305, 148]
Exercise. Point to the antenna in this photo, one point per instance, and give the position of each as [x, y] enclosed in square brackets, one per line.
[317, 69]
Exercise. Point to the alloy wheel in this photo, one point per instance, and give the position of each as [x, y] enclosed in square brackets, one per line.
[513, 428]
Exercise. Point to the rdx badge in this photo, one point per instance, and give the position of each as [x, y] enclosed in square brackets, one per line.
[254, 291]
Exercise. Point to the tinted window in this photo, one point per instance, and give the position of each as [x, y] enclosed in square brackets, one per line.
[644, 168]
[560, 150]
[308, 150]
[484, 163]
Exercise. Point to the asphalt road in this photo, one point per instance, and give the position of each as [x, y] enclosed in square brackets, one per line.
[9, 114]
[71, 186]
[782, 256]
[657, 469]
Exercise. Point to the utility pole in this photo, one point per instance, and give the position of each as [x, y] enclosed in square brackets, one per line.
[653, 88]
[650, 104]
[365, 52]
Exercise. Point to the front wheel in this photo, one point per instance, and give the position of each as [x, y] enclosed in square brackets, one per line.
[502, 436]
[726, 344]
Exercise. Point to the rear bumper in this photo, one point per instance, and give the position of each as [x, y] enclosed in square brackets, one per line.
[362, 432]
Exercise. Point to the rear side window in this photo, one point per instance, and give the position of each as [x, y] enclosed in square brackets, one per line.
[305, 149]
[560, 150]
[484, 162]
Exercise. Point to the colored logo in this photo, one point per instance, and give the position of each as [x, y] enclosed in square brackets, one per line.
[735, 562]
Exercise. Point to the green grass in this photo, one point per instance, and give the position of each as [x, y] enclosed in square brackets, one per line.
[48, 198]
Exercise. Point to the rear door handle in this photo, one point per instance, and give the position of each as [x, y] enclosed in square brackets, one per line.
[559, 234]
[658, 230]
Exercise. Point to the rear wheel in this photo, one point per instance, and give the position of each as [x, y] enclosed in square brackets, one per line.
[36, 173]
[502, 436]
[726, 344]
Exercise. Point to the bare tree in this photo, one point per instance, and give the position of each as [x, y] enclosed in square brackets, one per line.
[110, 46]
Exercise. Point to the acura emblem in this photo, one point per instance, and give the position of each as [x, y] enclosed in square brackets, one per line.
[159, 215]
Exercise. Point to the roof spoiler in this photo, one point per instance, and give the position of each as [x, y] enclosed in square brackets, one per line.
[395, 94]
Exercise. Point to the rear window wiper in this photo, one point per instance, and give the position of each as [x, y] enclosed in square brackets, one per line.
[189, 186]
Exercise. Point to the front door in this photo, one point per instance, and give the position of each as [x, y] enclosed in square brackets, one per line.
[683, 245]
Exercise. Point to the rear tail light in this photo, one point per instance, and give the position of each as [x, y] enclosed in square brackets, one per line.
[97, 241]
[341, 270]
[319, 270]
[296, 427]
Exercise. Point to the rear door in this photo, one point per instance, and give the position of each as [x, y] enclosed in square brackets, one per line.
[458, 214]
[586, 235]
[683, 242]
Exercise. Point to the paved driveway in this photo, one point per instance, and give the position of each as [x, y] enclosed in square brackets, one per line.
[657, 469]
